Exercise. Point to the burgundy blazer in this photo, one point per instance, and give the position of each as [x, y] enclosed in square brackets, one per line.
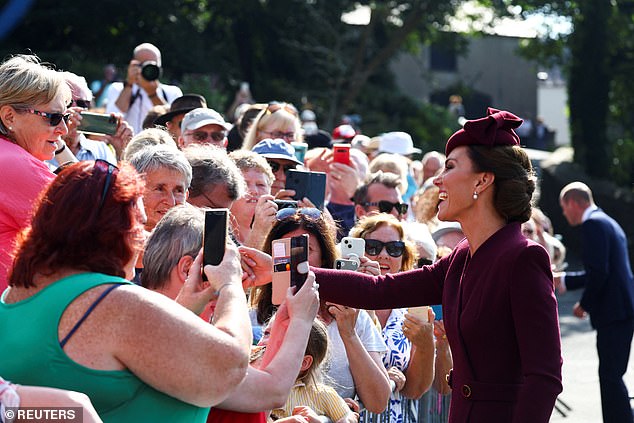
[500, 315]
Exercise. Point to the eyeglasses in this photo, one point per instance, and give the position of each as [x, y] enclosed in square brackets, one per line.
[309, 212]
[394, 248]
[387, 206]
[275, 106]
[201, 136]
[53, 118]
[287, 136]
[110, 170]
[84, 104]
[275, 166]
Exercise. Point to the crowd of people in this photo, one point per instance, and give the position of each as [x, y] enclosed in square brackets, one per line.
[108, 305]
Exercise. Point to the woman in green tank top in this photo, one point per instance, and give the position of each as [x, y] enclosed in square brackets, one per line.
[71, 320]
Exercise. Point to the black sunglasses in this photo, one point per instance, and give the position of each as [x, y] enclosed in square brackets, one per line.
[275, 166]
[53, 118]
[110, 170]
[287, 212]
[84, 104]
[387, 206]
[394, 248]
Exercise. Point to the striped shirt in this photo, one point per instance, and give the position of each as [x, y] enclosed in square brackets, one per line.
[323, 399]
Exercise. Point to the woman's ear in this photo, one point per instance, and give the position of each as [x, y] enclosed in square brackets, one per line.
[485, 180]
[7, 114]
[306, 363]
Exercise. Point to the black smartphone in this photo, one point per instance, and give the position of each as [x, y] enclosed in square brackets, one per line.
[215, 236]
[299, 254]
[311, 185]
[97, 123]
[285, 204]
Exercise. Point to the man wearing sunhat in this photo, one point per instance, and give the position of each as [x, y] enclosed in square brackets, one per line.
[180, 106]
[203, 126]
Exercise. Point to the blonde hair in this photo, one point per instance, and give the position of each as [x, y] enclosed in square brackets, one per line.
[392, 163]
[25, 82]
[368, 224]
[280, 118]
[246, 159]
[317, 348]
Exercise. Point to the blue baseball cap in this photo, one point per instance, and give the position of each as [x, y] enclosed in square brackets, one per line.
[276, 149]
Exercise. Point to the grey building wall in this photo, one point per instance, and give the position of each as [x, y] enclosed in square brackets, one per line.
[490, 66]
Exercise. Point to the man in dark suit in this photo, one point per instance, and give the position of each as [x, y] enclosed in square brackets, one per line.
[608, 296]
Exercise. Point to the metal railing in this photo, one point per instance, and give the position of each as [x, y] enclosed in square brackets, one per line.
[432, 407]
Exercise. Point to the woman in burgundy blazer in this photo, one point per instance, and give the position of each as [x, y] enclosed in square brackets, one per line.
[496, 287]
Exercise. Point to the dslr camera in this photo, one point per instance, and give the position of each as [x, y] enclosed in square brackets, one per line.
[150, 71]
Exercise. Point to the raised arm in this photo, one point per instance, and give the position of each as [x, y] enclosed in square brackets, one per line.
[405, 289]
[176, 352]
[267, 388]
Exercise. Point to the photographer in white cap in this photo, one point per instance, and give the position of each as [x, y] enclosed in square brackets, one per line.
[204, 126]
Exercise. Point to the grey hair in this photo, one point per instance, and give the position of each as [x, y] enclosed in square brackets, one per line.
[179, 233]
[212, 166]
[149, 136]
[160, 156]
[148, 47]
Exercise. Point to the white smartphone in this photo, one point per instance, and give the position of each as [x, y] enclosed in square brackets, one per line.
[352, 248]
[422, 312]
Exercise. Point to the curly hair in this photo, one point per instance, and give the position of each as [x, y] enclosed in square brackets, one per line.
[368, 224]
[515, 180]
[72, 229]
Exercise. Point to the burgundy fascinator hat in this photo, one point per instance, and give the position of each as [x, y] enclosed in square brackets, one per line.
[494, 129]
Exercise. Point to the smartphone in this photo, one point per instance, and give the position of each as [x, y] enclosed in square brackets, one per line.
[352, 248]
[287, 254]
[346, 264]
[285, 204]
[420, 312]
[341, 153]
[215, 236]
[300, 150]
[307, 184]
[97, 123]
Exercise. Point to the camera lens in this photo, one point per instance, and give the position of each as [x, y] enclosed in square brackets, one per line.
[338, 265]
[150, 71]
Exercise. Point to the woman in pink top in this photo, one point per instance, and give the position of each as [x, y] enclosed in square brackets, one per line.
[33, 118]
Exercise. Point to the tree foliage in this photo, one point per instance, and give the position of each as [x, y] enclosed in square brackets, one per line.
[598, 58]
[293, 50]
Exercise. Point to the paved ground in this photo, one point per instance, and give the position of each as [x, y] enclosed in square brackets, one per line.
[580, 369]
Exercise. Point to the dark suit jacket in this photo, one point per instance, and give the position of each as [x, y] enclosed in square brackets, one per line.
[608, 281]
[500, 314]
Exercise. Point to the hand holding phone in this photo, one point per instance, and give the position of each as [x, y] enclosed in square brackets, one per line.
[352, 248]
[290, 265]
[311, 185]
[422, 312]
[214, 237]
[97, 123]
[341, 154]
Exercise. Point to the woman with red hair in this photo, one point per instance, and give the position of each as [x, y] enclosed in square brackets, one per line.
[70, 320]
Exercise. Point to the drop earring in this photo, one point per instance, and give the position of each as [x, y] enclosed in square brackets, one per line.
[475, 195]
